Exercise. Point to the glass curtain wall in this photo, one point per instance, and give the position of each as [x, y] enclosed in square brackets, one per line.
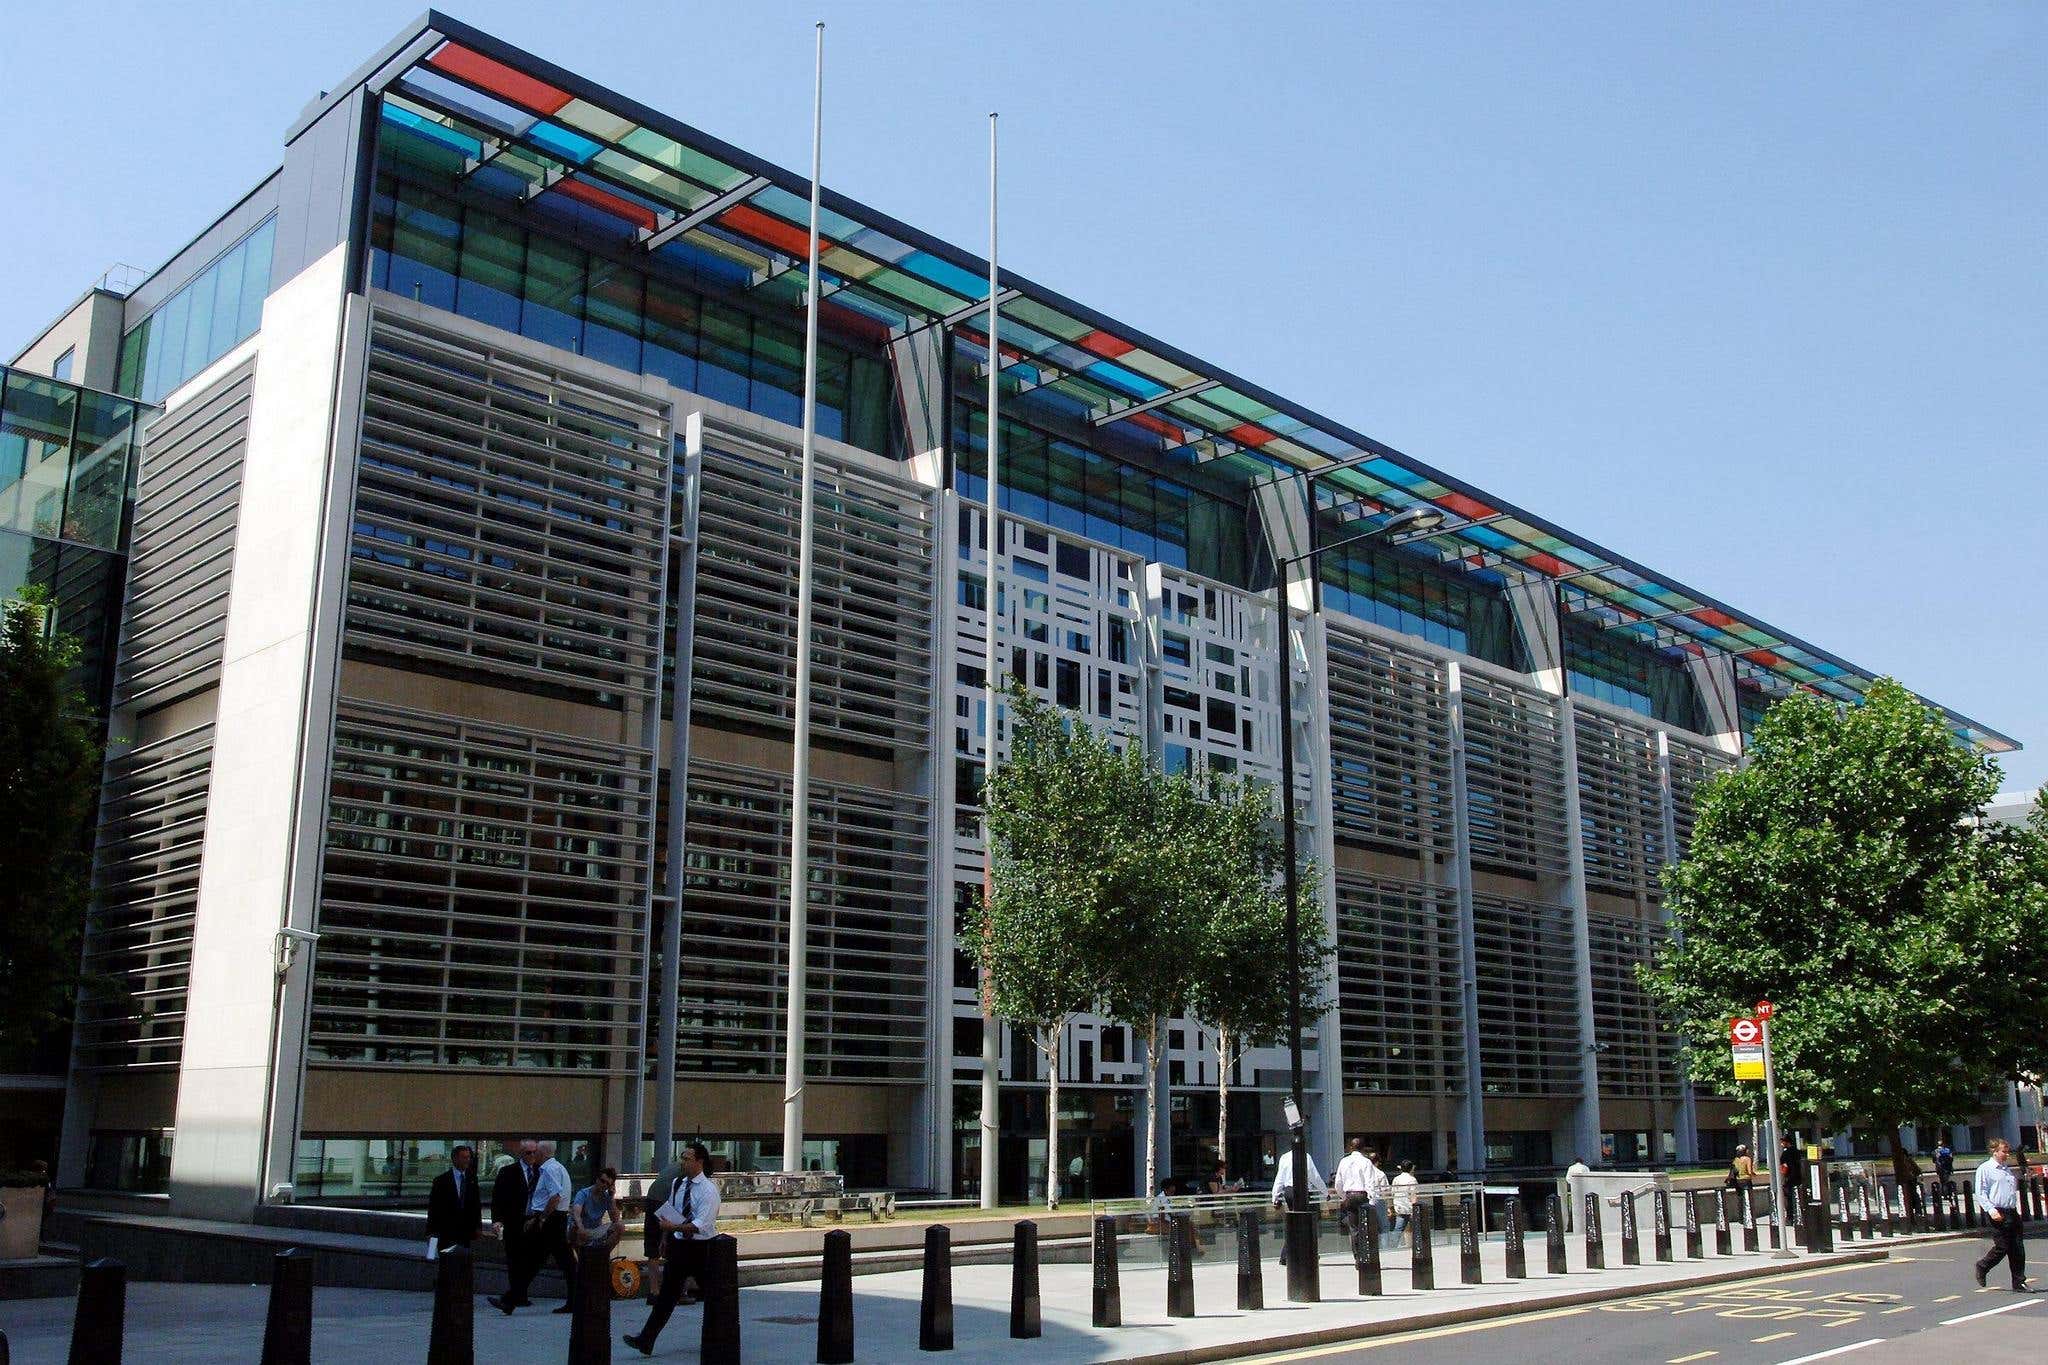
[1631, 676]
[217, 311]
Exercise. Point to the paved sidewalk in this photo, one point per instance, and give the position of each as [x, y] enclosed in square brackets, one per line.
[177, 1324]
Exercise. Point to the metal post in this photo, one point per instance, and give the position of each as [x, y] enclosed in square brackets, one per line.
[1024, 1306]
[1784, 1252]
[835, 1300]
[797, 981]
[991, 1043]
[1303, 1277]
[1251, 1278]
[1553, 1236]
[1108, 1308]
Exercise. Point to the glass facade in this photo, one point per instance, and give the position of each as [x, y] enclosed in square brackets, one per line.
[217, 311]
[1630, 676]
[1408, 594]
[67, 457]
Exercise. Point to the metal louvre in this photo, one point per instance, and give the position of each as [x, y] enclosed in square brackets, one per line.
[1514, 774]
[182, 548]
[1528, 1010]
[1621, 805]
[871, 605]
[138, 941]
[1397, 986]
[1390, 751]
[509, 520]
[1637, 1054]
[1691, 766]
[869, 928]
[483, 899]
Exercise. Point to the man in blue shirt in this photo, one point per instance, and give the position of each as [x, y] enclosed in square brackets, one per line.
[1998, 1194]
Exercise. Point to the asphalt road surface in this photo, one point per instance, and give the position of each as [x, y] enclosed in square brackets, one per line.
[1919, 1306]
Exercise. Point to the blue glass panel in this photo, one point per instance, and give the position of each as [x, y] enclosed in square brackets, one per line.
[563, 143]
[946, 275]
[256, 255]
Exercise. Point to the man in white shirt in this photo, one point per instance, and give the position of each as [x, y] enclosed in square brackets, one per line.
[1283, 1186]
[1354, 1183]
[546, 1233]
[1403, 1189]
[688, 1218]
[1998, 1194]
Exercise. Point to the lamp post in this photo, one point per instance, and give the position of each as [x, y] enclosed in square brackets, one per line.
[1303, 1278]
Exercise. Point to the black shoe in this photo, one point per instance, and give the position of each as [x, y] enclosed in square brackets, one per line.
[1978, 1271]
[504, 1306]
[2023, 1288]
[645, 1348]
[566, 1308]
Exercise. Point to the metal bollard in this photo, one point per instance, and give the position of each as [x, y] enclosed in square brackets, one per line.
[935, 1305]
[1421, 1253]
[1745, 1199]
[1180, 1266]
[590, 1302]
[1884, 1208]
[835, 1300]
[1468, 1241]
[720, 1342]
[1969, 1206]
[1596, 1244]
[1660, 1223]
[1108, 1308]
[1024, 1315]
[96, 1326]
[1723, 1245]
[1251, 1275]
[1553, 1236]
[1631, 1248]
[1304, 1262]
[1511, 1239]
[1694, 1249]
[1365, 1250]
[1775, 1207]
[1863, 1209]
[451, 1339]
[1845, 1213]
[288, 1325]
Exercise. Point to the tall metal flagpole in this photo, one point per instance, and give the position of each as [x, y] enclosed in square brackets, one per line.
[797, 982]
[991, 1052]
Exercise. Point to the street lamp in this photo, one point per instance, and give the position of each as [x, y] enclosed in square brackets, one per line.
[1303, 1276]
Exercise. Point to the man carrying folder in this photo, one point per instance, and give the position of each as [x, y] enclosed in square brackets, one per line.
[681, 1224]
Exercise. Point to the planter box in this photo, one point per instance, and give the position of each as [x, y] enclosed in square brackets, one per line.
[21, 1230]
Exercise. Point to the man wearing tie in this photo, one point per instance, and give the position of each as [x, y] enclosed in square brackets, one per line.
[510, 1195]
[454, 1209]
[690, 1203]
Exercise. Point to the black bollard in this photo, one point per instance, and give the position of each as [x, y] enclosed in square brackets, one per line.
[1251, 1276]
[1694, 1249]
[835, 1300]
[935, 1307]
[1468, 1241]
[1304, 1258]
[1024, 1316]
[96, 1327]
[288, 1325]
[1109, 1299]
[1421, 1252]
[1723, 1246]
[1365, 1250]
[1180, 1266]
[1660, 1223]
[1745, 1199]
[1596, 1236]
[1884, 1207]
[1631, 1248]
[1553, 1236]
[1511, 1239]
[1863, 1209]
[451, 1339]
[1842, 1211]
[720, 1342]
[590, 1306]
[1969, 1206]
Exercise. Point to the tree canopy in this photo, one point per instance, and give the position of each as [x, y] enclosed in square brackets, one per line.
[1842, 875]
[49, 783]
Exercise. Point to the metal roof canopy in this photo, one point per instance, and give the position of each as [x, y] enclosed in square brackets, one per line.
[531, 129]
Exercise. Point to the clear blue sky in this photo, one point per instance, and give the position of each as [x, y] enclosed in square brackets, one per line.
[1752, 293]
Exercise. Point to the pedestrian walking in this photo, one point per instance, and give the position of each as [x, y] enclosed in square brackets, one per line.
[1404, 1186]
[1283, 1188]
[509, 1195]
[1742, 1170]
[1354, 1184]
[1945, 1164]
[455, 1208]
[1380, 1190]
[686, 1219]
[1998, 1194]
[544, 1233]
[1791, 1171]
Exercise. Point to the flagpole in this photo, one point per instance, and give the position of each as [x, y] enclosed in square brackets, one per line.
[797, 981]
[991, 1050]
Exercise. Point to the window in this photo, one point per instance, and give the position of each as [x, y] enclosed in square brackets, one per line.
[62, 369]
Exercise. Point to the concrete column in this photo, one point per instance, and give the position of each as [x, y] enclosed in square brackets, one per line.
[1685, 1122]
[1472, 1111]
[1586, 1118]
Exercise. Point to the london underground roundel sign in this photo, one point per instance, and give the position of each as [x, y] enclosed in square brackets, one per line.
[1745, 1032]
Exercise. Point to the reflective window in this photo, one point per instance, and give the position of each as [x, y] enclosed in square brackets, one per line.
[1632, 676]
[220, 308]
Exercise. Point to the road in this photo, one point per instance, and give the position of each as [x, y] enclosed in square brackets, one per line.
[1919, 1306]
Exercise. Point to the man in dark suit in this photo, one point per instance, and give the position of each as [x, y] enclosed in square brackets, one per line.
[455, 1209]
[509, 1193]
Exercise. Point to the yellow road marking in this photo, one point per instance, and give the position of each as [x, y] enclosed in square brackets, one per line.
[1696, 1355]
[1948, 1298]
[1902, 1308]
[1775, 1336]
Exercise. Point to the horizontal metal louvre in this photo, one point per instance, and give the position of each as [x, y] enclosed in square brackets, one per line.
[1390, 751]
[1691, 766]
[1636, 1055]
[871, 615]
[509, 520]
[1528, 1004]
[870, 854]
[182, 544]
[1514, 775]
[1397, 986]
[138, 946]
[1621, 805]
[484, 896]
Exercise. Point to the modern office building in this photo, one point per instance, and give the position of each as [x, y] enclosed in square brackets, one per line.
[451, 796]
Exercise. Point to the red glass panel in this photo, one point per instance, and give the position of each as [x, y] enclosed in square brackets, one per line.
[489, 74]
[785, 237]
[1245, 434]
[583, 192]
[1470, 508]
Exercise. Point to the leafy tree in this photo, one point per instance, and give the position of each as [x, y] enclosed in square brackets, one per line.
[1072, 873]
[1238, 971]
[1839, 874]
[49, 782]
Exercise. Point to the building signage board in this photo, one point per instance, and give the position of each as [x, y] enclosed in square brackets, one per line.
[1749, 1063]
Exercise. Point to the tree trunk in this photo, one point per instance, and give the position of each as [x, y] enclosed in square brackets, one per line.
[1904, 1168]
[1151, 1108]
[1223, 1101]
[1052, 1117]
